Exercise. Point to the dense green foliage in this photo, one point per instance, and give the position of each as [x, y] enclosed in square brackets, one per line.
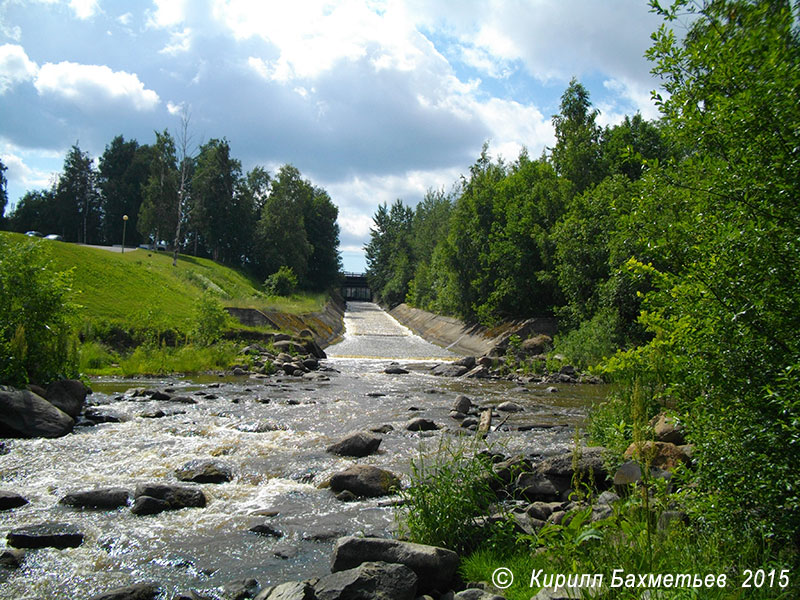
[37, 341]
[675, 244]
[282, 282]
[203, 204]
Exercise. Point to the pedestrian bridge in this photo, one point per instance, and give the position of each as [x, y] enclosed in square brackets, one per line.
[355, 287]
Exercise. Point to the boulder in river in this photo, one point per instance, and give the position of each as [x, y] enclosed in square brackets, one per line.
[434, 567]
[421, 424]
[24, 414]
[365, 480]
[292, 590]
[373, 580]
[205, 471]
[395, 370]
[67, 395]
[157, 497]
[137, 591]
[510, 407]
[462, 404]
[356, 444]
[45, 535]
[9, 500]
[108, 498]
[449, 370]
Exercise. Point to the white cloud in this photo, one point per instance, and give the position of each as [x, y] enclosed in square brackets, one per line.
[168, 13]
[15, 66]
[94, 85]
[180, 41]
[21, 175]
[84, 9]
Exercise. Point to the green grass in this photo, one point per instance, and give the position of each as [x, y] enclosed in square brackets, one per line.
[141, 287]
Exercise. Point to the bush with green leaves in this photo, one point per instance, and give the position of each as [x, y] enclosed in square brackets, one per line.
[211, 319]
[282, 282]
[37, 326]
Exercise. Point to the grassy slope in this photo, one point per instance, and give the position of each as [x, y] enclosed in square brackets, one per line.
[141, 285]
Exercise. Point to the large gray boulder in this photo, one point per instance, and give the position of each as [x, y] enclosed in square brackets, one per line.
[9, 500]
[590, 467]
[434, 567]
[67, 395]
[449, 370]
[138, 591]
[369, 581]
[356, 444]
[292, 590]
[45, 535]
[24, 414]
[205, 471]
[107, 498]
[154, 498]
[365, 480]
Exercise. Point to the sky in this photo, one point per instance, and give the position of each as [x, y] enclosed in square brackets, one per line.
[373, 100]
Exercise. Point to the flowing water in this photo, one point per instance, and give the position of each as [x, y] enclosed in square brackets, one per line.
[273, 433]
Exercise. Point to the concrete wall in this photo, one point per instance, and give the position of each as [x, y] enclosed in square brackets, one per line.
[327, 325]
[468, 340]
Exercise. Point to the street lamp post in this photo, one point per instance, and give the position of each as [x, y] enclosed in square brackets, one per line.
[124, 225]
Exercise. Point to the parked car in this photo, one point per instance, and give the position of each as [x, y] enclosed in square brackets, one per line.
[54, 236]
[33, 234]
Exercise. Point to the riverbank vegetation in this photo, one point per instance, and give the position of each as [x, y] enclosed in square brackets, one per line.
[69, 309]
[677, 242]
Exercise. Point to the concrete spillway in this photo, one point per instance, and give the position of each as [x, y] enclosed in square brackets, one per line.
[370, 332]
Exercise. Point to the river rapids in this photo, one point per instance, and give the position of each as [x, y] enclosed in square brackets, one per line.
[273, 433]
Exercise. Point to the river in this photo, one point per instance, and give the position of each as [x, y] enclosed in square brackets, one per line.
[273, 433]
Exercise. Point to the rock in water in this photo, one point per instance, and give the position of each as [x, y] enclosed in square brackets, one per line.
[205, 471]
[365, 480]
[9, 500]
[293, 590]
[24, 414]
[370, 580]
[67, 395]
[139, 591]
[154, 498]
[103, 498]
[434, 567]
[46, 535]
[421, 424]
[356, 444]
[462, 404]
[510, 407]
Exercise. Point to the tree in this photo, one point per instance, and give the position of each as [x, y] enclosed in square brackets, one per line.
[156, 213]
[37, 211]
[281, 231]
[186, 168]
[725, 308]
[577, 153]
[322, 231]
[390, 259]
[122, 174]
[77, 198]
[223, 219]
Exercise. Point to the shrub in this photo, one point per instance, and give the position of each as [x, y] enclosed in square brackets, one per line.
[37, 333]
[450, 489]
[591, 342]
[281, 283]
[211, 319]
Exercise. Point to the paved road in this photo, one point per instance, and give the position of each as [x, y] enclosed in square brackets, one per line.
[372, 333]
[110, 248]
